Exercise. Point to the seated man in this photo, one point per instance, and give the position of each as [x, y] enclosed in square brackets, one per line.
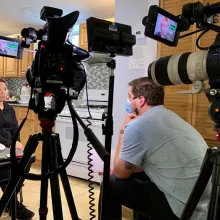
[168, 149]
[8, 127]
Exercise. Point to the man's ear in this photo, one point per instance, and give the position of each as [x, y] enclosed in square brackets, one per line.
[143, 101]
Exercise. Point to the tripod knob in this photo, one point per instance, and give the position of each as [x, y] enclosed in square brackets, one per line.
[104, 116]
[103, 129]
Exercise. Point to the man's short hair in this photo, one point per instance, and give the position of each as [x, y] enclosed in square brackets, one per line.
[153, 94]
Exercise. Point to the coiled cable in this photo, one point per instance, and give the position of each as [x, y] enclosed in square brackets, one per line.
[90, 174]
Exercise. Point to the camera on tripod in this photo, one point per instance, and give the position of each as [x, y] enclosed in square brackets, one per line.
[57, 62]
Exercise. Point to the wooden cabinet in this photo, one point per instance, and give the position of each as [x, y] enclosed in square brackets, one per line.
[27, 130]
[1, 66]
[83, 42]
[31, 126]
[10, 67]
[16, 68]
[25, 62]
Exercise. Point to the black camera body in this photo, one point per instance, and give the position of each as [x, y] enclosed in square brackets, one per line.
[57, 62]
[54, 68]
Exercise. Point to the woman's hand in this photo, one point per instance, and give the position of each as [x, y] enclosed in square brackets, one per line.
[19, 146]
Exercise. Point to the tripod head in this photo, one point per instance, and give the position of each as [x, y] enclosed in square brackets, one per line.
[37, 104]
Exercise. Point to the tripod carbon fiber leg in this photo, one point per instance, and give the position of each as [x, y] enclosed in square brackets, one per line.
[44, 182]
[51, 159]
[64, 179]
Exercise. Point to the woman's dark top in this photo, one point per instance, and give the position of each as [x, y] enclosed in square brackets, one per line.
[8, 125]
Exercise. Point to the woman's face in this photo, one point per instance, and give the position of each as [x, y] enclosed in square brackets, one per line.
[3, 92]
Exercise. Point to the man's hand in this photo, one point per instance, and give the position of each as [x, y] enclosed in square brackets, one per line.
[128, 118]
[19, 146]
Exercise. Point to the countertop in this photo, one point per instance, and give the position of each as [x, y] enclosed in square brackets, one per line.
[19, 104]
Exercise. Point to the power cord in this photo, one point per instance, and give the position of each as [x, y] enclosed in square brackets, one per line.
[199, 37]
[90, 165]
[90, 174]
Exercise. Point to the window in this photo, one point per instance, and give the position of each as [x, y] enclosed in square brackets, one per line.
[75, 40]
[74, 35]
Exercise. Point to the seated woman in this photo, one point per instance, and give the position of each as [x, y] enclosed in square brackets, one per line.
[8, 127]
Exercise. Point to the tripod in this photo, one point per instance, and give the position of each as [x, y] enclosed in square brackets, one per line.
[52, 163]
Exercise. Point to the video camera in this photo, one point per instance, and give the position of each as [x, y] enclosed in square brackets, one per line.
[191, 67]
[57, 62]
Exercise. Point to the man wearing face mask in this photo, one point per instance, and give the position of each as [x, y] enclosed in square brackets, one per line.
[168, 149]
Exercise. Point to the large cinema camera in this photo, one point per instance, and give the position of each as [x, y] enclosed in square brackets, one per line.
[191, 68]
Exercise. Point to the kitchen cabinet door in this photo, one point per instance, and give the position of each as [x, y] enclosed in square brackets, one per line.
[10, 67]
[83, 41]
[25, 62]
[27, 130]
[1, 66]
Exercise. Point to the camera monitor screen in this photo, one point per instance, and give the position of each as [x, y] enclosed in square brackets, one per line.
[165, 28]
[10, 47]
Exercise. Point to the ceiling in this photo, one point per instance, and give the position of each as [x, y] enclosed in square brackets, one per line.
[18, 14]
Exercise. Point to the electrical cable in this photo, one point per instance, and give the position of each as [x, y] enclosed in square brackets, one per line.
[91, 183]
[90, 165]
[199, 37]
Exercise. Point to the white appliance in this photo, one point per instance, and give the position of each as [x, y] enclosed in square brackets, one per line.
[98, 100]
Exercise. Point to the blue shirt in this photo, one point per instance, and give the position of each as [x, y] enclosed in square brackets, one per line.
[171, 153]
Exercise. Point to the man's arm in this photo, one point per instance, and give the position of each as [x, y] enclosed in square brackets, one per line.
[120, 142]
[131, 154]
[123, 169]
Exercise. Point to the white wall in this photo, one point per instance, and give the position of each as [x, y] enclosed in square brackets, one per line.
[130, 12]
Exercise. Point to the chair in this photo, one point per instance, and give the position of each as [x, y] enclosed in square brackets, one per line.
[5, 163]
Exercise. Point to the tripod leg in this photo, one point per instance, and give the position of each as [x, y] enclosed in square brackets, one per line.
[213, 213]
[19, 171]
[65, 181]
[44, 182]
[13, 206]
[199, 187]
[54, 182]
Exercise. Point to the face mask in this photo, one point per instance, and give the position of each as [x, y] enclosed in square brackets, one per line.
[128, 106]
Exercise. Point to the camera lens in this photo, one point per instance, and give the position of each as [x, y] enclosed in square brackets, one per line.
[179, 69]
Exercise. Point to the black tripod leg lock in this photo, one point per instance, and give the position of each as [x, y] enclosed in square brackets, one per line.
[43, 212]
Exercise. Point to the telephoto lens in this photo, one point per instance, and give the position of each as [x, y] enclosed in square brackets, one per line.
[178, 69]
